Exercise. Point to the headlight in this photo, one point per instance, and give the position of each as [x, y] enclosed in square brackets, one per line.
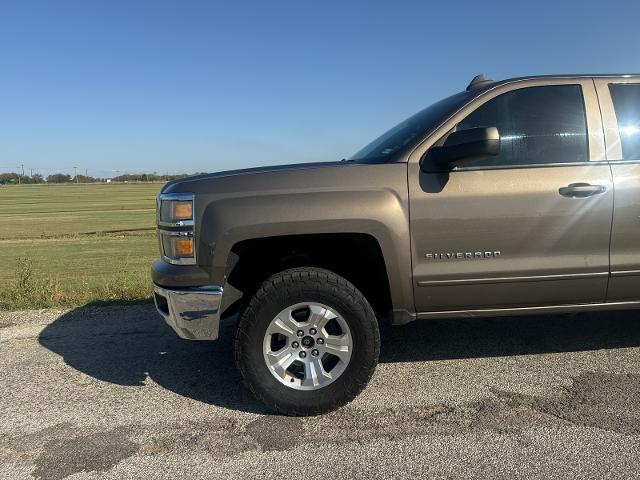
[176, 228]
[177, 245]
[176, 209]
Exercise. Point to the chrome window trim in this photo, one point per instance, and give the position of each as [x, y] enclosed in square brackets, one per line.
[523, 166]
[166, 228]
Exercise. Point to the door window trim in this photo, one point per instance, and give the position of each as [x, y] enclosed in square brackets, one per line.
[595, 135]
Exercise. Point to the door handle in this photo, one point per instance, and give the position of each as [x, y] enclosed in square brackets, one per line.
[581, 190]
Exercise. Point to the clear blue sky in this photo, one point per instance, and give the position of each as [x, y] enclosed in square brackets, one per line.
[186, 86]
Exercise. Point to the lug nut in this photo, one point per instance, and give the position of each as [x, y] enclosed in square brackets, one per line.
[303, 354]
[312, 331]
[300, 333]
[295, 344]
[320, 341]
[314, 352]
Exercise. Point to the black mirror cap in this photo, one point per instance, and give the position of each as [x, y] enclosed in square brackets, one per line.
[464, 145]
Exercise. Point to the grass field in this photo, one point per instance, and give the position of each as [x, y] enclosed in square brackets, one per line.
[68, 245]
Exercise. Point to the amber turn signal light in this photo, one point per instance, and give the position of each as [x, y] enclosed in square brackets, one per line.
[184, 246]
[182, 210]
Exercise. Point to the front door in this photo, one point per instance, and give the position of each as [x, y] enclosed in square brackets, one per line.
[528, 227]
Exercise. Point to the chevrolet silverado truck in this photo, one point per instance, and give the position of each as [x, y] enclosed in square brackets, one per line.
[513, 197]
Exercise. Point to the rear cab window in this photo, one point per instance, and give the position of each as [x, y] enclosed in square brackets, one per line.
[626, 103]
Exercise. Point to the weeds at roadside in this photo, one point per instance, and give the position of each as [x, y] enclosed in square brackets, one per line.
[32, 290]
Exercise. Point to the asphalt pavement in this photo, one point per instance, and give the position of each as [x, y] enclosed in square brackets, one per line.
[111, 392]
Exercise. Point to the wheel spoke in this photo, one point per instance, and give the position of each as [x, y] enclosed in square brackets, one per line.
[314, 373]
[284, 324]
[320, 316]
[281, 360]
[338, 345]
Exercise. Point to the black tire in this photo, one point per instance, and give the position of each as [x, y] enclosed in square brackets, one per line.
[300, 285]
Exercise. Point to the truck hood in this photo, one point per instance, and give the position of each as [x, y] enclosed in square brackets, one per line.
[184, 184]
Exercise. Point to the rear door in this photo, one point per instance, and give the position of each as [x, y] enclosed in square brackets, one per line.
[620, 104]
[530, 227]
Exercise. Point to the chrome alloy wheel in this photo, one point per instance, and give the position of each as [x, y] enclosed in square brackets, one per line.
[307, 346]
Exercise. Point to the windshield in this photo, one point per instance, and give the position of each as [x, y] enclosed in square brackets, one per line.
[410, 131]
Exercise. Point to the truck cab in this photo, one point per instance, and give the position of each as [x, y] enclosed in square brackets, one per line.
[511, 197]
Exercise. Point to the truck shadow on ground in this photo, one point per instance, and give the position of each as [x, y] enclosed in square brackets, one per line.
[126, 345]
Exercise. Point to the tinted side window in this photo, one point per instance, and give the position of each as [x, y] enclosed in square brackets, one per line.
[537, 125]
[626, 101]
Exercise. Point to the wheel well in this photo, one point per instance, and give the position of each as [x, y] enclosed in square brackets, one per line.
[354, 256]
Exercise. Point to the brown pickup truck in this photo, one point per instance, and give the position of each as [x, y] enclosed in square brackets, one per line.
[513, 197]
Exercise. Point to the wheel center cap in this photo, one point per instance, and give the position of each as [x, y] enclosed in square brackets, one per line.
[307, 342]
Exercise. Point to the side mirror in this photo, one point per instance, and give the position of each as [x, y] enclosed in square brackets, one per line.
[464, 145]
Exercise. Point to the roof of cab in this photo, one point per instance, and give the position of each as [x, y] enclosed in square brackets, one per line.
[479, 81]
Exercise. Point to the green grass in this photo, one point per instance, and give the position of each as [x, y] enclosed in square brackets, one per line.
[37, 211]
[68, 245]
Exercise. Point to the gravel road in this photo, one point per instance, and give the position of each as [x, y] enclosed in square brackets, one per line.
[111, 392]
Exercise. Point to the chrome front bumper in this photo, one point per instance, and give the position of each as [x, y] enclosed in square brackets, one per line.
[194, 313]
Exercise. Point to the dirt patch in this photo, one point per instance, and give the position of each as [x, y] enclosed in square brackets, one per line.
[608, 401]
[96, 452]
[276, 433]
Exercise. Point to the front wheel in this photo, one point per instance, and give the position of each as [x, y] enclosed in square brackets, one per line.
[307, 343]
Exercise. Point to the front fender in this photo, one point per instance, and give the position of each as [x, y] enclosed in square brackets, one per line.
[364, 199]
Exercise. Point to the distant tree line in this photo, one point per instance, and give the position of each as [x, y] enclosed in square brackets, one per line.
[36, 178]
[149, 177]
[7, 178]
